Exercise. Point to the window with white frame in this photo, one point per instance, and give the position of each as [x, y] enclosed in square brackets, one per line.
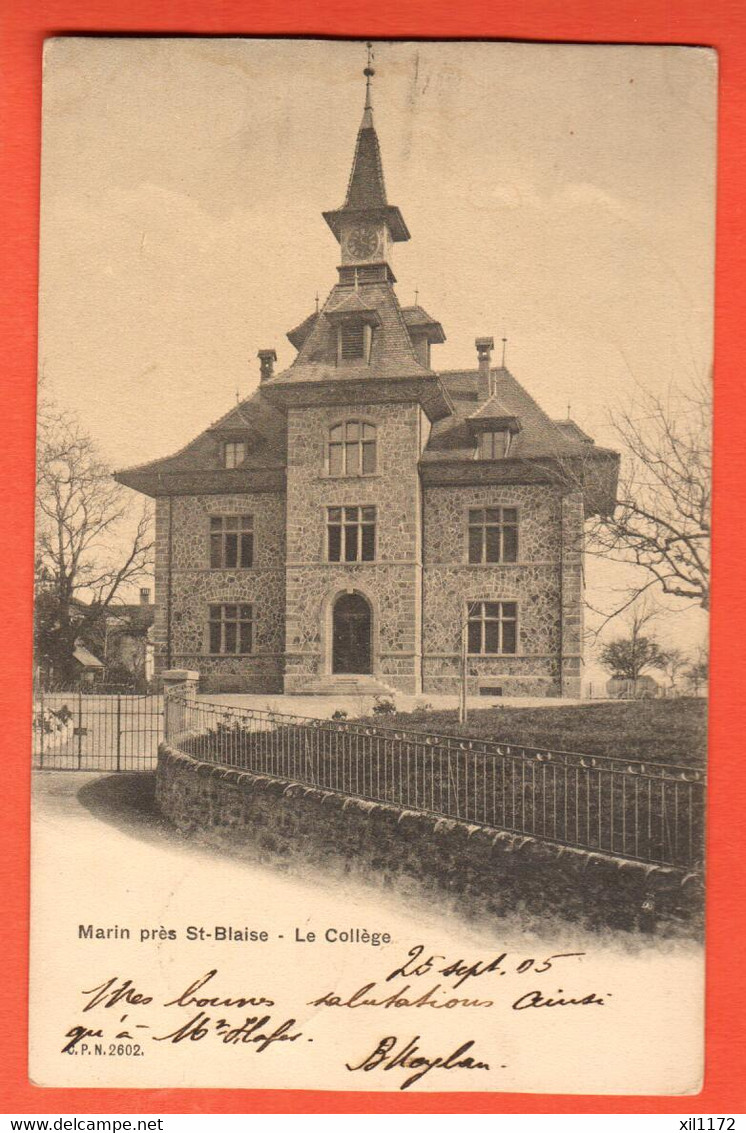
[492, 627]
[231, 628]
[352, 449]
[234, 453]
[493, 535]
[231, 541]
[351, 534]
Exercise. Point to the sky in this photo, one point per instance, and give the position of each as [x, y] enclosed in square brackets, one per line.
[559, 196]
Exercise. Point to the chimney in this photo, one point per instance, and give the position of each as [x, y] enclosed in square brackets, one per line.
[267, 359]
[485, 346]
[145, 596]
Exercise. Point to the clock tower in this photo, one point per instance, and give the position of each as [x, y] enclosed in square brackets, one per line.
[366, 225]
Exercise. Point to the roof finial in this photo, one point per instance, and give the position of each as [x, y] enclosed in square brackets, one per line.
[317, 302]
[369, 72]
[416, 296]
[568, 410]
[505, 343]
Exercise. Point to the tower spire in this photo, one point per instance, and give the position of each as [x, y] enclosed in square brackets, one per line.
[366, 199]
[369, 72]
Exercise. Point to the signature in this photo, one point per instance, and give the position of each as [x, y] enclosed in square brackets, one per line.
[392, 1054]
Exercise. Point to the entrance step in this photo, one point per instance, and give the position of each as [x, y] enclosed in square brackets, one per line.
[347, 685]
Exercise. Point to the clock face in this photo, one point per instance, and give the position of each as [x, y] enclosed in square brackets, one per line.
[363, 241]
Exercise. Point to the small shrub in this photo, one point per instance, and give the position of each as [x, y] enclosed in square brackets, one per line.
[52, 720]
[383, 706]
[340, 714]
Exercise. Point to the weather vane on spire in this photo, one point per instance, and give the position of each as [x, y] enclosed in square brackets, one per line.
[369, 72]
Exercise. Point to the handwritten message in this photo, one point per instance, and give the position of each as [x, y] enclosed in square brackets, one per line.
[116, 1017]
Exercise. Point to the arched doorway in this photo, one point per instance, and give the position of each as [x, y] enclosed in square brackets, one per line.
[351, 635]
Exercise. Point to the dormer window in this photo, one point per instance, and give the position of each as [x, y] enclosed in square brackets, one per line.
[234, 453]
[354, 341]
[354, 323]
[495, 445]
[351, 340]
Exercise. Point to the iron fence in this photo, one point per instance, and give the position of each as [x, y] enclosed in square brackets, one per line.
[632, 809]
[96, 729]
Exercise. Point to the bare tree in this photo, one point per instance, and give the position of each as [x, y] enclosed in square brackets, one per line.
[661, 522]
[675, 663]
[699, 671]
[627, 658]
[84, 557]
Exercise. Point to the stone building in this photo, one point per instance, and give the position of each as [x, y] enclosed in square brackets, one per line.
[363, 517]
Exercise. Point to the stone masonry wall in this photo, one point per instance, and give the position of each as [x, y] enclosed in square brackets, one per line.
[159, 632]
[573, 593]
[391, 583]
[546, 582]
[195, 585]
[471, 870]
[417, 613]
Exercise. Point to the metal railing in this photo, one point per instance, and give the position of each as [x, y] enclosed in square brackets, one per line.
[96, 728]
[631, 809]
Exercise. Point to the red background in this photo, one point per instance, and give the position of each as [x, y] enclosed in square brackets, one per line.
[720, 24]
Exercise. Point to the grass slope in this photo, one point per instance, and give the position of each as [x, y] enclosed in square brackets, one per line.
[664, 731]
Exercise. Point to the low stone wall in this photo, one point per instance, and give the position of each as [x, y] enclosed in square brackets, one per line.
[472, 869]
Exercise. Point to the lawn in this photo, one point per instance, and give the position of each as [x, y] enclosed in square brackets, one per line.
[663, 731]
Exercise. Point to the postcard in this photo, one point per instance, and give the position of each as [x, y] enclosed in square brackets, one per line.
[372, 566]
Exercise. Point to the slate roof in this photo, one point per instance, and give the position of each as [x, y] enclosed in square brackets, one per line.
[418, 319]
[540, 444]
[366, 189]
[345, 301]
[493, 409]
[540, 437]
[266, 445]
[392, 355]
[235, 421]
[299, 334]
[573, 431]
[138, 616]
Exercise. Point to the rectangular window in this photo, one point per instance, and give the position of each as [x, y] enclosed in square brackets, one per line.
[351, 340]
[234, 453]
[493, 535]
[492, 627]
[351, 534]
[231, 541]
[368, 441]
[494, 446]
[352, 449]
[231, 628]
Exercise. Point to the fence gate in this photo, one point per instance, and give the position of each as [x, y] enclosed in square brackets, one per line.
[96, 730]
